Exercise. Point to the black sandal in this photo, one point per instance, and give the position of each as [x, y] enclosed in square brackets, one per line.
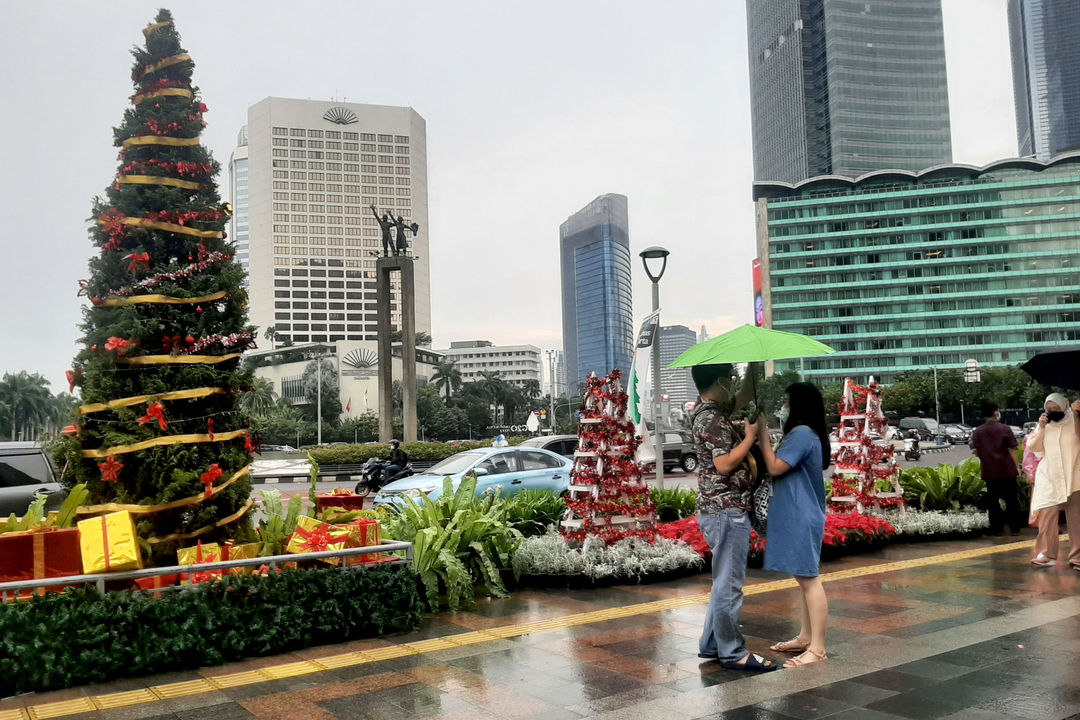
[754, 663]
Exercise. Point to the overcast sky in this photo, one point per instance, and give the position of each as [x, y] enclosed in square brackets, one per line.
[532, 109]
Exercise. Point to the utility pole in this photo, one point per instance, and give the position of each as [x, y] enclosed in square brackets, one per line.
[551, 376]
[937, 402]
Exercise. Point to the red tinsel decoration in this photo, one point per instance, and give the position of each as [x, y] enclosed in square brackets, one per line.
[181, 274]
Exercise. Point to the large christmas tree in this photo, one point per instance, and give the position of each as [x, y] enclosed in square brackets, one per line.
[160, 368]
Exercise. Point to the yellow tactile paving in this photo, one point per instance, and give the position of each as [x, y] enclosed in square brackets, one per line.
[276, 672]
[280, 672]
[60, 709]
[183, 689]
[123, 699]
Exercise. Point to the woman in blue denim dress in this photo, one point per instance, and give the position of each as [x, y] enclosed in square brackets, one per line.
[797, 514]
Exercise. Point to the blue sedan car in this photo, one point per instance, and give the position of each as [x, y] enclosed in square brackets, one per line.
[509, 469]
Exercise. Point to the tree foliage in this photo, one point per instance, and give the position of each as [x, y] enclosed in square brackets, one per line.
[159, 231]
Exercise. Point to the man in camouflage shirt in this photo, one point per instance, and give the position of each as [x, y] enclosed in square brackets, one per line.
[724, 501]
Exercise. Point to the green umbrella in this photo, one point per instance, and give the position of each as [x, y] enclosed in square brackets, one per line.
[751, 344]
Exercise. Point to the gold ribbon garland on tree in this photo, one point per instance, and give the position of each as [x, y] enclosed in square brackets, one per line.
[92, 510]
[164, 63]
[206, 528]
[167, 226]
[178, 359]
[160, 300]
[192, 394]
[160, 140]
[164, 92]
[157, 180]
[192, 439]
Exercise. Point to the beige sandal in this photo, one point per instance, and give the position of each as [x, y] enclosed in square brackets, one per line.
[794, 645]
[797, 662]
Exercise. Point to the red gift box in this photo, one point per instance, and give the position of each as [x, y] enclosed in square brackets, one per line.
[36, 555]
[158, 582]
[345, 501]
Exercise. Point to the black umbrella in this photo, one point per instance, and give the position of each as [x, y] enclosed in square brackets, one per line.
[1057, 366]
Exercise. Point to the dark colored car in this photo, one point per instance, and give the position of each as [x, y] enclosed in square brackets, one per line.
[956, 434]
[679, 451]
[564, 445]
[25, 471]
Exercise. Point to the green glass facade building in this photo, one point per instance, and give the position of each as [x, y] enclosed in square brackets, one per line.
[902, 270]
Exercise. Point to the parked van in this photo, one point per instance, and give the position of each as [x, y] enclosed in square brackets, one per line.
[927, 427]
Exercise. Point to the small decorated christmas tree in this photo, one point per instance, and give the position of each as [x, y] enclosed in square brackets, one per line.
[608, 497]
[159, 426]
[866, 457]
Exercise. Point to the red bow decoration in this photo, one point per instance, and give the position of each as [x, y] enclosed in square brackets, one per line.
[317, 540]
[169, 343]
[69, 430]
[203, 252]
[209, 477]
[110, 469]
[136, 260]
[248, 445]
[120, 345]
[156, 411]
[84, 288]
[210, 428]
[74, 377]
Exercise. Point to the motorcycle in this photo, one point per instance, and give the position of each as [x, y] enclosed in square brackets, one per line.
[373, 476]
[911, 448]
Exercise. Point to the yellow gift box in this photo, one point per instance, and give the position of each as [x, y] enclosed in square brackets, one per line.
[108, 543]
[202, 553]
[314, 536]
[244, 551]
[363, 533]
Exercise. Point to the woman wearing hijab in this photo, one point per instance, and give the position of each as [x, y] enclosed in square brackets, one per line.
[797, 514]
[1057, 480]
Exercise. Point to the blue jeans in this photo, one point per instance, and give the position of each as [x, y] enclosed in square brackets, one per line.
[728, 535]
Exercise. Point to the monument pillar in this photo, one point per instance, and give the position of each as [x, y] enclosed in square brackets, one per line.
[384, 268]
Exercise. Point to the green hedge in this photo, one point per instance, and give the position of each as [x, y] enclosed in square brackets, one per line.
[78, 637]
[423, 452]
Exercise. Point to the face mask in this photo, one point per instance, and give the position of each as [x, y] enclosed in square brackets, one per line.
[1055, 415]
[783, 414]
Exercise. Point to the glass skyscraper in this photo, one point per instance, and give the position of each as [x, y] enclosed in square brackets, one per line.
[1043, 39]
[839, 87]
[598, 332]
[901, 271]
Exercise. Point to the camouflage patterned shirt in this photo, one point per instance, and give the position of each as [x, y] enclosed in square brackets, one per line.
[715, 436]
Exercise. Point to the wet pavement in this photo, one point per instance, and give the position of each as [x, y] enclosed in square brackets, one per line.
[929, 630]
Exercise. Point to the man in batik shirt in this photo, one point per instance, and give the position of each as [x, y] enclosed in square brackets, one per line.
[724, 501]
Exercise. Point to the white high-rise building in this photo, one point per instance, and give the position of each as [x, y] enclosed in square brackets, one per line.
[516, 364]
[303, 178]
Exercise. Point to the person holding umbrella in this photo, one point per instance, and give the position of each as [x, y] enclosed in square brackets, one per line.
[1057, 480]
[725, 487]
[797, 514]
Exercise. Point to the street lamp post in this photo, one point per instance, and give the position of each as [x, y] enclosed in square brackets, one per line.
[656, 253]
[551, 377]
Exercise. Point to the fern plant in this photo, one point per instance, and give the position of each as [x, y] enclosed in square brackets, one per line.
[279, 523]
[532, 512]
[460, 542]
[674, 503]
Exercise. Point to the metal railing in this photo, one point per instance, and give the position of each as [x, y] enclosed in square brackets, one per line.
[271, 561]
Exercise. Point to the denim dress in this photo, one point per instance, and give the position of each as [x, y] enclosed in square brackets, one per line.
[797, 510]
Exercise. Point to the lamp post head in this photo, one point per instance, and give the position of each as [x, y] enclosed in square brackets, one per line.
[654, 253]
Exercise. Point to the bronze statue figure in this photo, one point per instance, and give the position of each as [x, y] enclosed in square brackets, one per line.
[402, 247]
[385, 223]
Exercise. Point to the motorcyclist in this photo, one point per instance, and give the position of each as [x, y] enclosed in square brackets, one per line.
[911, 444]
[398, 460]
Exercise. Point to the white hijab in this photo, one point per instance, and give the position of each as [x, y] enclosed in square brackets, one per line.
[1058, 474]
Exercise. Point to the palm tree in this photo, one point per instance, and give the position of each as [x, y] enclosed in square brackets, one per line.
[492, 384]
[271, 335]
[258, 401]
[27, 399]
[447, 377]
[422, 338]
[531, 389]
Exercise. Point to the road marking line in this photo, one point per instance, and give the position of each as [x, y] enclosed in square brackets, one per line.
[420, 647]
